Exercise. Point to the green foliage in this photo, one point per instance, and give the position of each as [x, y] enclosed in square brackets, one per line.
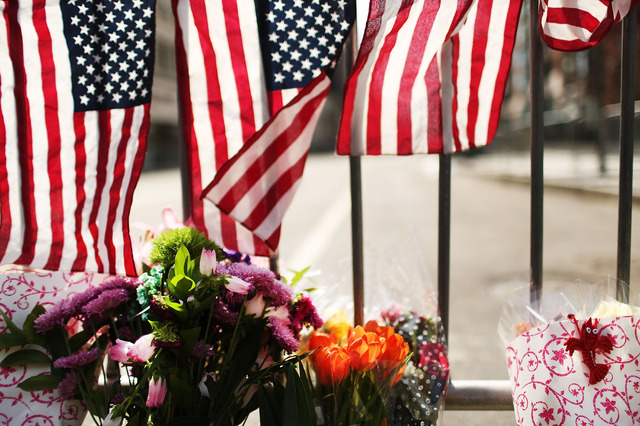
[167, 245]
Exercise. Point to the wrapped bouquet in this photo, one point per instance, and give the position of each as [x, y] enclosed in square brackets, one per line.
[573, 357]
[202, 337]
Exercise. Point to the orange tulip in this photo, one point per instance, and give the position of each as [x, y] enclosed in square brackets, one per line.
[320, 339]
[364, 349]
[331, 364]
[396, 350]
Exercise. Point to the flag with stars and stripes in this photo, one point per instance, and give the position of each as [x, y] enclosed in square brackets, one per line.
[429, 77]
[75, 81]
[253, 78]
[572, 25]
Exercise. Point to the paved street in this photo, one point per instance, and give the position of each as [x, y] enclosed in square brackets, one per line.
[489, 238]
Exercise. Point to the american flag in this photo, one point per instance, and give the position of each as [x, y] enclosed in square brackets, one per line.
[573, 25]
[429, 77]
[75, 80]
[258, 76]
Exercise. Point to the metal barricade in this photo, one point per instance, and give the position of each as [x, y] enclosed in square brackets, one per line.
[496, 394]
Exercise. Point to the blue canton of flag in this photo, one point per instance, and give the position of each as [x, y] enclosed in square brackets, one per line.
[301, 39]
[111, 46]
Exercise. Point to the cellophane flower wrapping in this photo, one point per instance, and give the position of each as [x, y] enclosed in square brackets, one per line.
[399, 296]
[574, 357]
[201, 337]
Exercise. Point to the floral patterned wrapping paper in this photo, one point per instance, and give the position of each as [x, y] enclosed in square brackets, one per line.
[549, 387]
[19, 293]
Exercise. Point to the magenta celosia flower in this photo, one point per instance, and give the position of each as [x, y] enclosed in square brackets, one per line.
[77, 360]
[238, 285]
[304, 313]
[67, 386]
[143, 349]
[157, 392]
[120, 351]
[208, 262]
[283, 335]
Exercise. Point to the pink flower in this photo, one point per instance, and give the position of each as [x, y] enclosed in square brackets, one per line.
[142, 350]
[238, 285]
[157, 392]
[208, 262]
[609, 405]
[547, 415]
[255, 306]
[119, 351]
[559, 356]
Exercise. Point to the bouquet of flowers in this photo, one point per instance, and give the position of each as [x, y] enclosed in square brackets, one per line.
[573, 356]
[202, 337]
[393, 373]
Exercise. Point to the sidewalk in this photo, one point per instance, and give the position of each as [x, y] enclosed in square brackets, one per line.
[566, 169]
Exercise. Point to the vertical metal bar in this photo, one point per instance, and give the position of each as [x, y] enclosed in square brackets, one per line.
[627, 107]
[537, 154]
[444, 238]
[355, 174]
[357, 240]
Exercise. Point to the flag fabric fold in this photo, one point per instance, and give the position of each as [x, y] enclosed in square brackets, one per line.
[429, 77]
[254, 77]
[75, 87]
[572, 25]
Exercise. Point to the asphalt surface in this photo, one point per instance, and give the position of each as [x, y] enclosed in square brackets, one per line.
[490, 233]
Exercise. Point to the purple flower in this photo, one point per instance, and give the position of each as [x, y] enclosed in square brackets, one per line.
[160, 310]
[77, 360]
[279, 292]
[106, 301]
[201, 350]
[283, 335]
[172, 346]
[224, 313]
[59, 314]
[67, 386]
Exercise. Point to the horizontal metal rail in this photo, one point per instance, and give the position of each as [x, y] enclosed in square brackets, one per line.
[476, 395]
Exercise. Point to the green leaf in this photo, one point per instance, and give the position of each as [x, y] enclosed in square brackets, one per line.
[79, 339]
[298, 276]
[40, 383]
[270, 410]
[180, 390]
[181, 285]
[298, 407]
[182, 260]
[9, 340]
[189, 338]
[27, 327]
[11, 325]
[25, 357]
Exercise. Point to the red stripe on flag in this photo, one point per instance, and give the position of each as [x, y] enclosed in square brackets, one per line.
[115, 190]
[480, 36]
[409, 75]
[194, 179]
[136, 169]
[455, 53]
[283, 184]
[23, 118]
[434, 109]
[80, 262]
[374, 23]
[214, 96]
[272, 152]
[245, 98]
[513, 15]
[54, 168]
[5, 210]
[377, 81]
[104, 126]
[574, 17]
